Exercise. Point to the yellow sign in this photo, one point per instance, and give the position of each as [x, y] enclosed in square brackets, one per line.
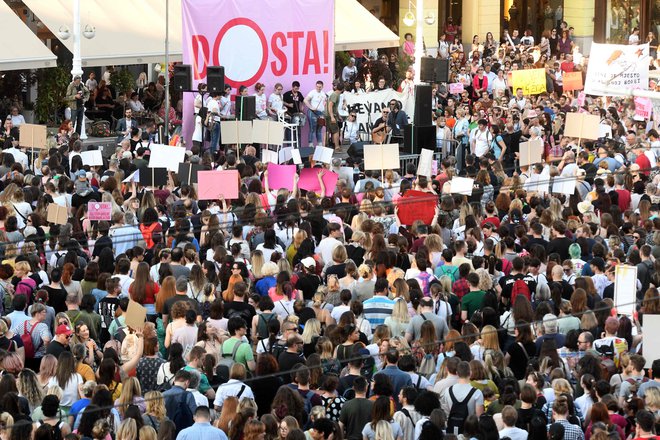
[532, 81]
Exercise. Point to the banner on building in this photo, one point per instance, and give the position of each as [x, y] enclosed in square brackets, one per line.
[369, 106]
[617, 66]
[532, 81]
[266, 41]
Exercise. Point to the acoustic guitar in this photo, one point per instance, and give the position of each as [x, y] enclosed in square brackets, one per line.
[379, 137]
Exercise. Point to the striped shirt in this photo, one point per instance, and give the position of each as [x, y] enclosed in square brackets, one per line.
[376, 309]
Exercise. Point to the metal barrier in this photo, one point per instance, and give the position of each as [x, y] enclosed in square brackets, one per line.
[438, 155]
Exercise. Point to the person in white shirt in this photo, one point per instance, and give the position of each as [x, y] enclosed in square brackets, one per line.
[443, 47]
[328, 244]
[518, 100]
[135, 104]
[509, 418]
[349, 72]
[351, 129]
[275, 102]
[480, 139]
[261, 103]
[235, 387]
[315, 102]
[91, 83]
[16, 119]
[19, 156]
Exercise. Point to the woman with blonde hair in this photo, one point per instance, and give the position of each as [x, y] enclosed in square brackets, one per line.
[131, 394]
[383, 431]
[364, 289]
[311, 334]
[298, 237]
[400, 289]
[47, 370]
[155, 411]
[148, 433]
[322, 308]
[127, 430]
[29, 387]
[257, 262]
[485, 280]
[6, 424]
[435, 246]
[287, 424]
[400, 318]
[350, 280]
[487, 342]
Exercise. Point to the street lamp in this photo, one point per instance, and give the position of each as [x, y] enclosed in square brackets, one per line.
[88, 33]
[409, 19]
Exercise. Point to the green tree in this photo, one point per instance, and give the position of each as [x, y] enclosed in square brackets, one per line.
[51, 91]
[123, 81]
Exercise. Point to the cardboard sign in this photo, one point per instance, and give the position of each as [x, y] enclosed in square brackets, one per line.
[281, 176]
[323, 154]
[99, 211]
[532, 81]
[310, 182]
[93, 158]
[269, 156]
[32, 136]
[216, 184]
[572, 81]
[236, 132]
[417, 205]
[188, 172]
[625, 291]
[425, 165]
[530, 152]
[462, 185]
[153, 176]
[57, 214]
[267, 132]
[582, 126]
[136, 315]
[651, 326]
[165, 156]
[564, 185]
[381, 157]
[456, 88]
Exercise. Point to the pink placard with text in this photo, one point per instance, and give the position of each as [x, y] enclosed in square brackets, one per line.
[456, 88]
[216, 184]
[281, 176]
[310, 182]
[100, 211]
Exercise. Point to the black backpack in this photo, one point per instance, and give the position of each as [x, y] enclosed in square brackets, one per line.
[262, 325]
[182, 417]
[459, 412]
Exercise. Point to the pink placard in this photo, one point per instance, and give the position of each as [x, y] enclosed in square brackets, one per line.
[581, 98]
[456, 88]
[101, 211]
[219, 183]
[643, 107]
[310, 182]
[434, 167]
[266, 41]
[281, 176]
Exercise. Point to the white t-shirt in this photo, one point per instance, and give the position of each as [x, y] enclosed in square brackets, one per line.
[260, 105]
[481, 141]
[214, 107]
[275, 102]
[70, 391]
[317, 100]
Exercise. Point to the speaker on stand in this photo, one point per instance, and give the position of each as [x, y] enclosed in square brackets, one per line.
[182, 80]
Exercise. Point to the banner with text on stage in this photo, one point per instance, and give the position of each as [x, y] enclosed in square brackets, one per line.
[266, 41]
[369, 106]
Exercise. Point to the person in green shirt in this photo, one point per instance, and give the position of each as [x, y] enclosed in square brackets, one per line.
[194, 364]
[238, 329]
[471, 302]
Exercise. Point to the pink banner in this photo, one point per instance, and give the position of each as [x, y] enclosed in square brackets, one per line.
[643, 107]
[456, 88]
[266, 41]
[310, 182]
[99, 211]
[281, 176]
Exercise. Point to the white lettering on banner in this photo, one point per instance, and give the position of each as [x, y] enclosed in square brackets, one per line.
[617, 66]
[373, 103]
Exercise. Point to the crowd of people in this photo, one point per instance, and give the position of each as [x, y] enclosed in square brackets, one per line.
[292, 314]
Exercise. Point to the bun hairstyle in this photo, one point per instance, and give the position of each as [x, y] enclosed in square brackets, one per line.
[258, 86]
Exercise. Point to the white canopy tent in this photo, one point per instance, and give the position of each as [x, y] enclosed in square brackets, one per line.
[22, 48]
[142, 39]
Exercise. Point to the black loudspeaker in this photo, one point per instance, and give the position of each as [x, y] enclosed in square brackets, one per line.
[427, 70]
[246, 108]
[415, 138]
[423, 105]
[442, 71]
[215, 78]
[182, 77]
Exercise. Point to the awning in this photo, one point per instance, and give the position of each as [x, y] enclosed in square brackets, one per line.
[127, 31]
[22, 49]
[356, 28]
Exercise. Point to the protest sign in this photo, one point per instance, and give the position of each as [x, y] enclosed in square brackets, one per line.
[188, 172]
[582, 126]
[269, 156]
[153, 176]
[425, 164]
[323, 154]
[625, 289]
[267, 132]
[93, 158]
[295, 155]
[134, 177]
[136, 315]
[381, 157]
[32, 136]
[99, 211]
[531, 152]
[57, 214]
[216, 184]
[604, 131]
[617, 66]
[368, 107]
[416, 205]
[165, 156]
[643, 107]
[462, 185]
[532, 81]
[651, 326]
[564, 185]
[572, 81]
[310, 182]
[281, 176]
[456, 88]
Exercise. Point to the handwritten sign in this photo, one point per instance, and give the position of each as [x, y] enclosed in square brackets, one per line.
[216, 184]
[99, 211]
[531, 81]
[456, 88]
[643, 107]
[572, 81]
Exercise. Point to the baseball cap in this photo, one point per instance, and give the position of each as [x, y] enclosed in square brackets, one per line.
[308, 262]
[81, 173]
[63, 329]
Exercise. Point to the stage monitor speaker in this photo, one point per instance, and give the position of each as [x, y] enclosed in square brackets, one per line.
[427, 70]
[415, 138]
[215, 78]
[182, 77]
[442, 71]
[423, 105]
[246, 108]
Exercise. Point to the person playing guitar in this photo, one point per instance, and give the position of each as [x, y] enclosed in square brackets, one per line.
[381, 128]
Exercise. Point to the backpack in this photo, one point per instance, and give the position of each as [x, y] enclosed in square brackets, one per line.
[308, 400]
[226, 362]
[28, 345]
[634, 385]
[167, 383]
[120, 334]
[607, 364]
[427, 366]
[30, 295]
[520, 287]
[459, 412]
[262, 325]
[182, 417]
